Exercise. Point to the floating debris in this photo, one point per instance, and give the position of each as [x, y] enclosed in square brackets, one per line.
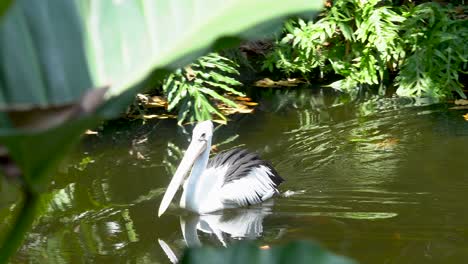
[269, 83]
[461, 102]
[90, 132]
[387, 143]
[155, 107]
[290, 193]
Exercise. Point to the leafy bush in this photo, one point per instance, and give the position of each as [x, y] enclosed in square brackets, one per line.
[438, 51]
[191, 90]
[367, 42]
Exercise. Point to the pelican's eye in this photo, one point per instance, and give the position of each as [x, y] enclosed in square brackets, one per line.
[203, 136]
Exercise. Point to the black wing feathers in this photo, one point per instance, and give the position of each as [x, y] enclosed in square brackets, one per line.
[240, 163]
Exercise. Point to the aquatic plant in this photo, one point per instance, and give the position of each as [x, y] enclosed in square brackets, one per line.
[369, 42]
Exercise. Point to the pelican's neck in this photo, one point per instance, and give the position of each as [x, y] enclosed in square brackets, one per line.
[191, 188]
[199, 165]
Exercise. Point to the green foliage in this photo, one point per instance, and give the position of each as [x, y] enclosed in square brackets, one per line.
[295, 252]
[190, 89]
[366, 41]
[60, 53]
[4, 5]
[356, 39]
[438, 50]
[56, 56]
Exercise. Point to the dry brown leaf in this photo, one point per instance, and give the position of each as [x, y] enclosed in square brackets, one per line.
[245, 105]
[156, 101]
[90, 132]
[161, 116]
[240, 98]
[388, 143]
[244, 111]
[189, 73]
[461, 107]
[220, 121]
[250, 103]
[158, 116]
[267, 82]
[461, 102]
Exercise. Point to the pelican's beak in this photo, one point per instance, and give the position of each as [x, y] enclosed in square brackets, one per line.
[193, 152]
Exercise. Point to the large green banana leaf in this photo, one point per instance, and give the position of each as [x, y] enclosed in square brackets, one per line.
[66, 65]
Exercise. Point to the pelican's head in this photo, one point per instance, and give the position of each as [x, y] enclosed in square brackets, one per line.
[203, 131]
[201, 140]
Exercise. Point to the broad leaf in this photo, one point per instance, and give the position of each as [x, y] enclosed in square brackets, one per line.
[243, 253]
[4, 5]
[55, 54]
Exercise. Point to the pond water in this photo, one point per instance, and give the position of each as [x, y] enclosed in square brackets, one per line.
[380, 181]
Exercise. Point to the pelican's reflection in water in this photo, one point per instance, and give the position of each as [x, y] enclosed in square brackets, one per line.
[223, 227]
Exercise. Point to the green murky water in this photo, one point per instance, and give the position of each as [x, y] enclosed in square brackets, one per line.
[382, 182]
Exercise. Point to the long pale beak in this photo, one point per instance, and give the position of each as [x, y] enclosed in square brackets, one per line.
[193, 152]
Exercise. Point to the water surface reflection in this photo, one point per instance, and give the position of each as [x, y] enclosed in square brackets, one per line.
[381, 181]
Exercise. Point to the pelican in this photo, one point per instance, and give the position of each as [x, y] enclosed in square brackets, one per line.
[231, 179]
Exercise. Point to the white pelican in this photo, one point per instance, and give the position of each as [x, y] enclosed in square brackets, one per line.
[231, 179]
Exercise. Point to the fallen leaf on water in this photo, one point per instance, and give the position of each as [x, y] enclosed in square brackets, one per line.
[250, 103]
[244, 105]
[460, 107]
[269, 83]
[157, 101]
[240, 98]
[219, 121]
[387, 143]
[151, 101]
[161, 116]
[461, 102]
[91, 132]
[466, 116]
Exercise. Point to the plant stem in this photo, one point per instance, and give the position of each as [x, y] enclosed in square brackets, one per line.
[22, 224]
